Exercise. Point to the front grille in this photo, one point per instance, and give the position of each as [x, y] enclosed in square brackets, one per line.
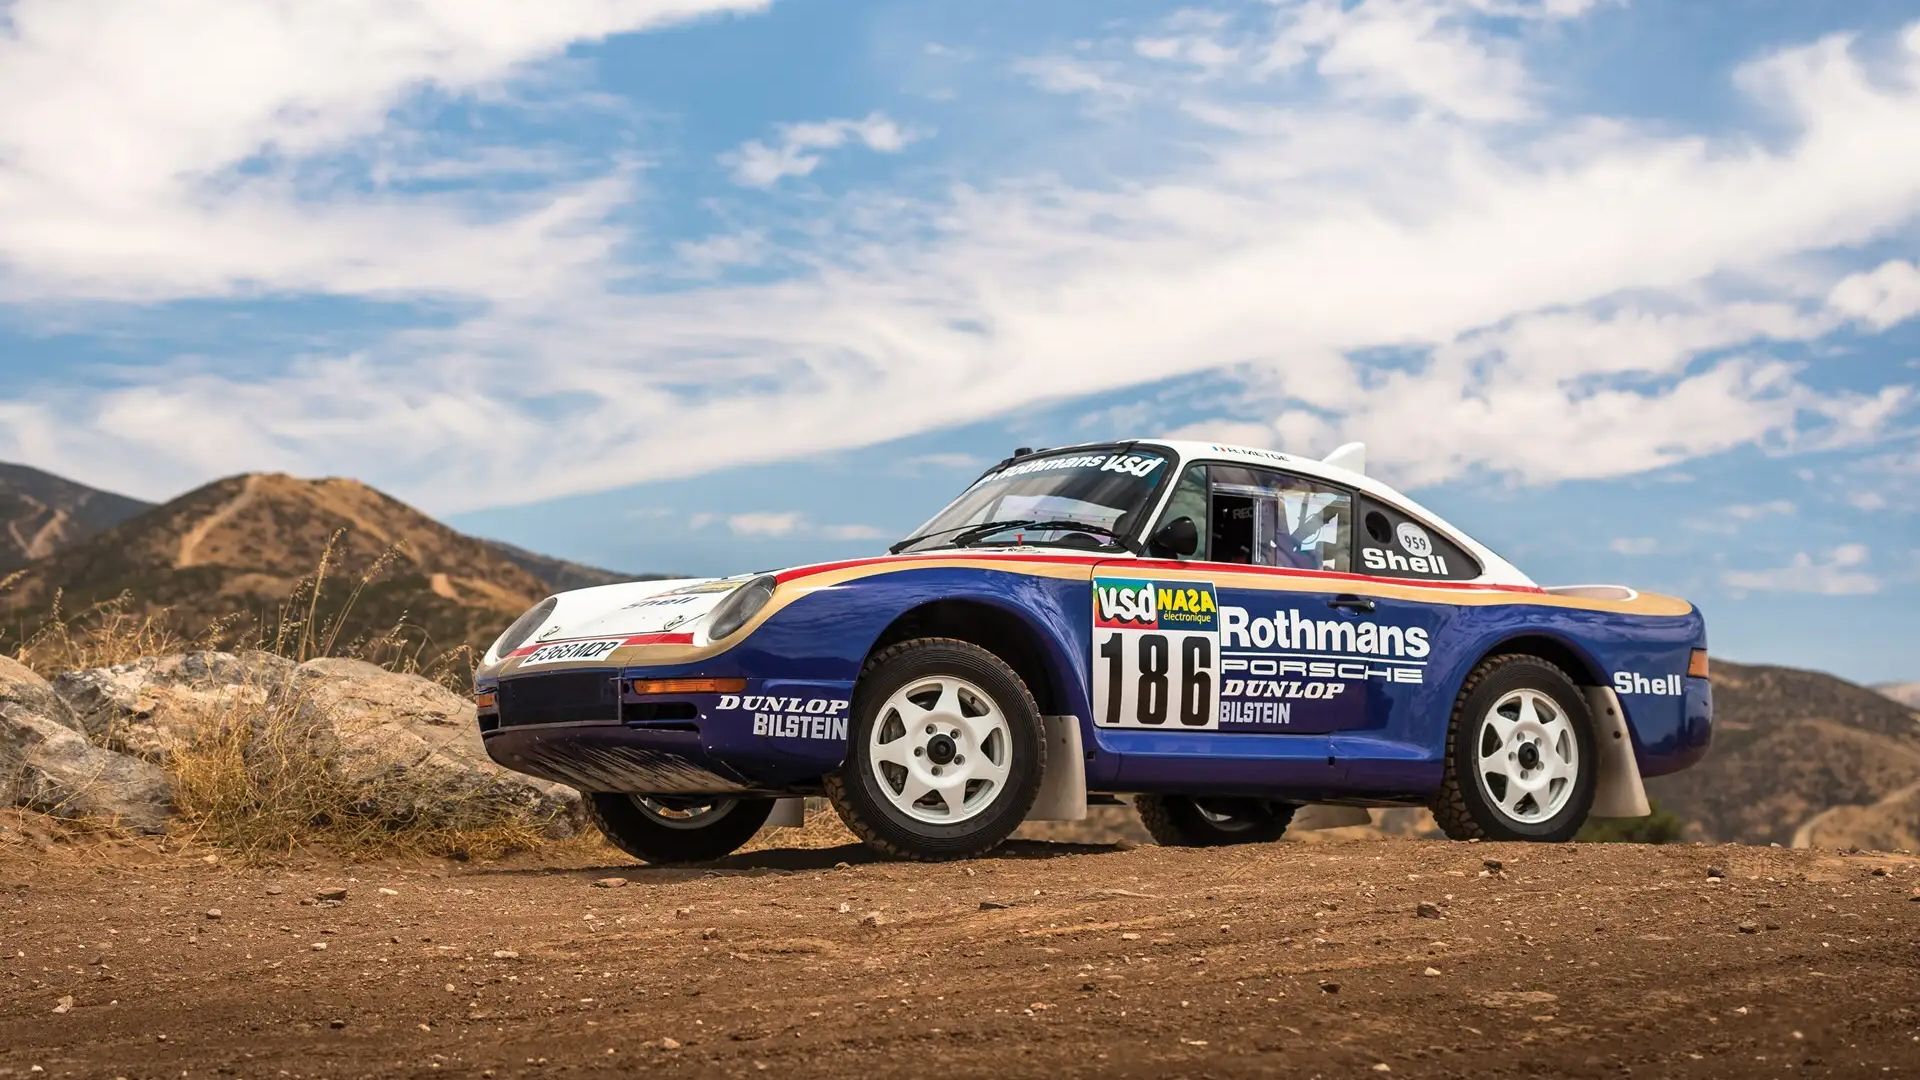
[568, 697]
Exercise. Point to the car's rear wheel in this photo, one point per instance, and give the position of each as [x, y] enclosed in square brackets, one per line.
[945, 754]
[1521, 763]
[1190, 821]
[669, 829]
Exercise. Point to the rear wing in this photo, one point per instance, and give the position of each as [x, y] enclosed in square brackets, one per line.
[1594, 592]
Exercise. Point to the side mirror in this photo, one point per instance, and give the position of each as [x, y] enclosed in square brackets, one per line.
[1179, 537]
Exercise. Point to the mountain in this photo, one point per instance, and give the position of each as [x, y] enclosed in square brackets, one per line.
[41, 513]
[1906, 693]
[235, 550]
[1800, 755]
[561, 575]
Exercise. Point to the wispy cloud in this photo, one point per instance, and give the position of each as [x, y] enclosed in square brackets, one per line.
[798, 149]
[1545, 324]
[1839, 572]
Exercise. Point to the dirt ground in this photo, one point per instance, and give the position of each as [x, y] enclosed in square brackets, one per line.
[1048, 959]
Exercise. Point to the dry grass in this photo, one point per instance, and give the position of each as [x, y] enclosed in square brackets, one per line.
[270, 779]
[266, 774]
[119, 631]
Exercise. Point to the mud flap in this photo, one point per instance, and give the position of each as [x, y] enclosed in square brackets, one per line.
[1618, 791]
[787, 814]
[1328, 816]
[1063, 789]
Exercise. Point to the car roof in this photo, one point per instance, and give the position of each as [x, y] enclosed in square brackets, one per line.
[1494, 568]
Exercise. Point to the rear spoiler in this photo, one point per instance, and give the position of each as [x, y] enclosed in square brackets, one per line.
[1351, 457]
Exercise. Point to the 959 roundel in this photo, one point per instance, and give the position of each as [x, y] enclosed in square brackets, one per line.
[1222, 634]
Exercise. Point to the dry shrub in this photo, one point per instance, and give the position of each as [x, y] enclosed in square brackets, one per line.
[266, 780]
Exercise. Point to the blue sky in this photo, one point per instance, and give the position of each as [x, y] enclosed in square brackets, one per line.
[1627, 289]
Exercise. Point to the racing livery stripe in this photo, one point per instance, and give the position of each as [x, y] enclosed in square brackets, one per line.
[907, 562]
[632, 640]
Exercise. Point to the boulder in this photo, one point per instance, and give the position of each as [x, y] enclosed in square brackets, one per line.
[415, 747]
[149, 706]
[47, 764]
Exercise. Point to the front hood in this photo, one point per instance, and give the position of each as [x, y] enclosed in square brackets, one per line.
[658, 610]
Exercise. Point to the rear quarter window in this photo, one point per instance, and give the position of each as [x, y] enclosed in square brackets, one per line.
[1390, 544]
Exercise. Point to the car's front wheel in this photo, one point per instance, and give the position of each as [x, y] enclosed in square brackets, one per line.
[945, 754]
[668, 829]
[1521, 763]
[1189, 821]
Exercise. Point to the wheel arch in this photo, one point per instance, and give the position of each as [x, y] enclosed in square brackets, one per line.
[1033, 651]
[1568, 656]
[1620, 790]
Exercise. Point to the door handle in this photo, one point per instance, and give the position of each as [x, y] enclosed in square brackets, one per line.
[1349, 602]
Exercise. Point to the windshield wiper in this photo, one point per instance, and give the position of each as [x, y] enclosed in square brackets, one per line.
[981, 532]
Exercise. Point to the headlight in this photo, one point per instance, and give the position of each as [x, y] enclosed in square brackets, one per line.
[523, 628]
[742, 604]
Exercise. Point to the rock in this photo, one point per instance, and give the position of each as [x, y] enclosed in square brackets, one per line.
[47, 764]
[336, 1024]
[152, 705]
[1427, 909]
[64, 1005]
[1716, 872]
[336, 894]
[415, 746]
[669, 1043]
[505, 954]
[1329, 986]
[318, 946]
[1749, 928]
[610, 883]
[873, 918]
[1493, 865]
[993, 905]
[213, 913]
[1431, 972]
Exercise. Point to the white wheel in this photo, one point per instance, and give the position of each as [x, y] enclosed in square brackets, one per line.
[1528, 756]
[940, 749]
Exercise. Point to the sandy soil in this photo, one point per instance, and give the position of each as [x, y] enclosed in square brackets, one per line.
[1050, 959]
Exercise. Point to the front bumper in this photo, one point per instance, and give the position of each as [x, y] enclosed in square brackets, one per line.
[589, 730]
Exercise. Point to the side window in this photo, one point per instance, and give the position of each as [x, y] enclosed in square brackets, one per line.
[1394, 545]
[1267, 518]
[1189, 500]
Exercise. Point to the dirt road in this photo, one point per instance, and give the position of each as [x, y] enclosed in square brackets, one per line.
[1051, 959]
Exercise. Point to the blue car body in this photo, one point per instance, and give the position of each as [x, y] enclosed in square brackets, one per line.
[1316, 686]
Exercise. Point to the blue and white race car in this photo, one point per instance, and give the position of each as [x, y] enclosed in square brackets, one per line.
[1227, 634]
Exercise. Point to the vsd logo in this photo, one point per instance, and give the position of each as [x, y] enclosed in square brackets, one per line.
[1128, 605]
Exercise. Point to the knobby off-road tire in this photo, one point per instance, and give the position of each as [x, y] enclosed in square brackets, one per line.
[948, 713]
[1184, 821]
[652, 837]
[1466, 807]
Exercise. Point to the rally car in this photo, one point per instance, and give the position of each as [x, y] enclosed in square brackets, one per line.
[1226, 634]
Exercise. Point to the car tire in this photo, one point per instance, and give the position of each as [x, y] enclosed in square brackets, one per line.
[945, 753]
[1185, 821]
[1521, 762]
[668, 831]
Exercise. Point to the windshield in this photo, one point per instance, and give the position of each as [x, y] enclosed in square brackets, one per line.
[1106, 490]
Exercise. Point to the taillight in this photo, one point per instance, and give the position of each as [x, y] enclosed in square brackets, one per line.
[1697, 664]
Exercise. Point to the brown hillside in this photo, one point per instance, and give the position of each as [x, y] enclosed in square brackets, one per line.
[41, 514]
[243, 546]
[1789, 745]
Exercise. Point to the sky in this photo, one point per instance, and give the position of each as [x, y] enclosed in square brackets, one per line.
[1627, 290]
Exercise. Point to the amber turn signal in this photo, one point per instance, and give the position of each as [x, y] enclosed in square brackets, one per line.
[689, 686]
[1697, 664]
[486, 699]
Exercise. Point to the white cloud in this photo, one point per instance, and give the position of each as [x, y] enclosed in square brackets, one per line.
[1634, 545]
[1868, 501]
[793, 523]
[762, 523]
[1839, 573]
[1545, 321]
[1885, 296]
[799, 148]
[150, 151]
[1756, 511]
[1412, 50]
[1100, 80]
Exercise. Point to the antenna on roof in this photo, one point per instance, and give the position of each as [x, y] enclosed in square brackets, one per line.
[1351, 457]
